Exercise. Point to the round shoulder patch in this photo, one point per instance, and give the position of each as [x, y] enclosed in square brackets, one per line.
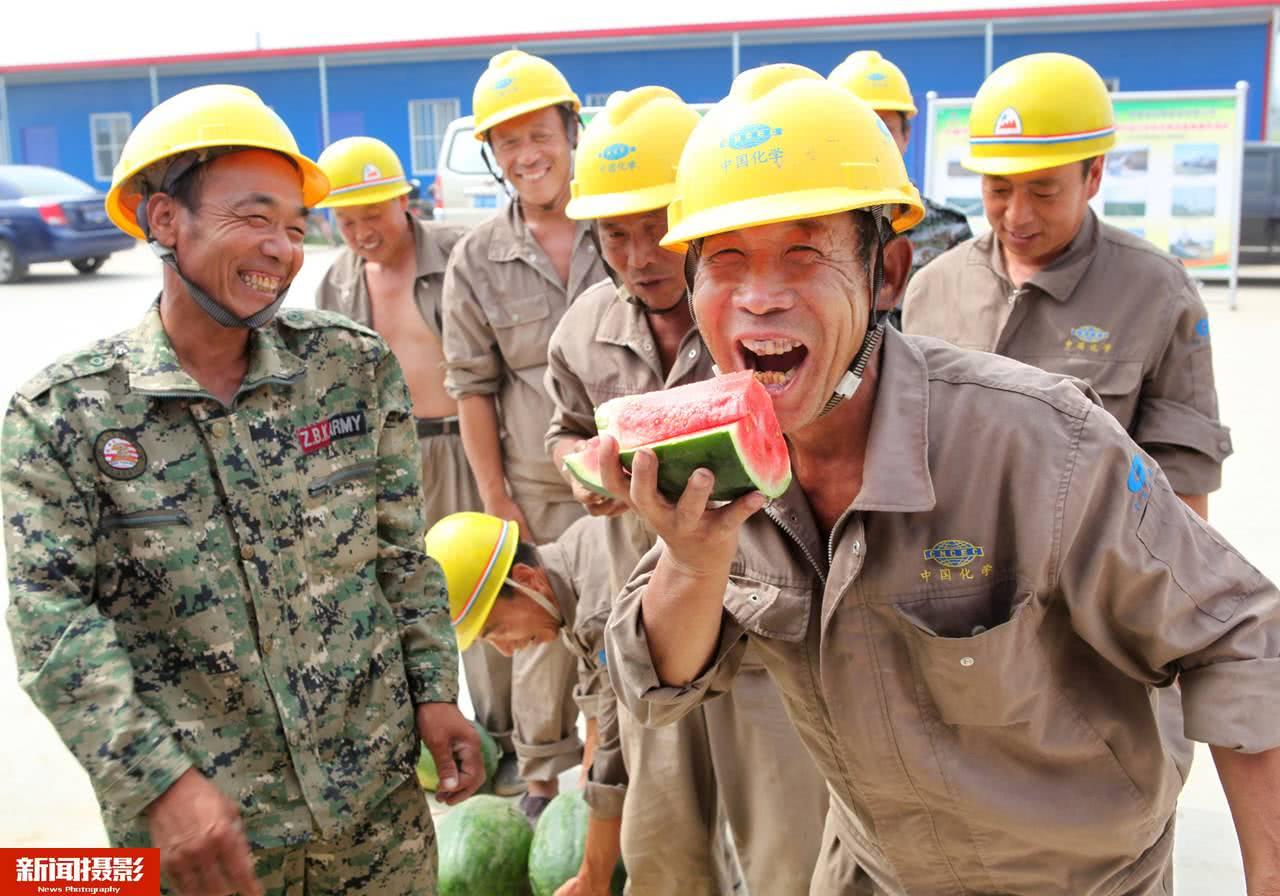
[119, 455]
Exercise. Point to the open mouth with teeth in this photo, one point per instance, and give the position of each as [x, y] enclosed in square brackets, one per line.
[774, 361]
[263, 283]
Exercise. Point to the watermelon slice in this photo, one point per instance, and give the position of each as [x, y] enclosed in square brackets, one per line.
[725, 424]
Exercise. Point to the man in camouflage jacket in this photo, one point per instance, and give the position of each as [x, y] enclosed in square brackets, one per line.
[214, 532]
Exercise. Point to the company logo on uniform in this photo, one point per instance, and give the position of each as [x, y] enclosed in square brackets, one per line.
[616, 151]
[750, 136]
[602, 657]
[1139, 475]
[371, 172]
[953, 553]
[1090, 334]
[1202, 328]
[1009, 122]
[119, 455]
[315, 436]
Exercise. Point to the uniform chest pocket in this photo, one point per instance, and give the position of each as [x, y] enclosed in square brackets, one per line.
[340, 516]
[147, 558]
[523, 328]
[991, 675]
[1110, 379]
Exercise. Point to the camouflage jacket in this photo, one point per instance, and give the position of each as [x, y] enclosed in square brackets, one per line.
[942, 228]
[241, 590]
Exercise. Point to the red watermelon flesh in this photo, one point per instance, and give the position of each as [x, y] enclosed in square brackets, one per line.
[725, 424]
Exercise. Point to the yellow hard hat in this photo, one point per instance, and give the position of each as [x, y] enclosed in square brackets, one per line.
[1038, 112]
[870, 77]
[475, 550]
[627, 157]
[362, 171]
[514, 84]
[787, 144]
[216, 116]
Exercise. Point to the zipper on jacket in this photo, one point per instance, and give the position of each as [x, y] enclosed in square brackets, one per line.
[355, 471]
[799, 542]
[145, 518]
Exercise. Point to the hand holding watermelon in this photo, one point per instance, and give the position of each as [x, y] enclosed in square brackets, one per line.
[455, 747]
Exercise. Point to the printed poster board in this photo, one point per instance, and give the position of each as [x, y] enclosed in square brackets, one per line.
[1173, 178]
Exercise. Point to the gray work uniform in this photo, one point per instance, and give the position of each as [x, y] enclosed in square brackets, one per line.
[1112, 310]
[502, 299]
[604, 348]
[971, 656]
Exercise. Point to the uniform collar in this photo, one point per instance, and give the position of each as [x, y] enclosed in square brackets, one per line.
[429, 257]
[513, 239]
[1060, 278]
[895, 474]
[154, 368]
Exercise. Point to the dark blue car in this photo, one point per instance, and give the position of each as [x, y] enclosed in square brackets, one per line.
[48, 215]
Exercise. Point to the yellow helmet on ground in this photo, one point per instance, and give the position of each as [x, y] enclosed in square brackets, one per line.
[627, 156]
[200, 121]
[787, 144]
[1038, 112]
[362, 171]
[476, 551]
[516, 83]
[870, 77]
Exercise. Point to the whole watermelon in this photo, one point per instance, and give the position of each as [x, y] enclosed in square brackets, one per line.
[559, 842]
[484, 849]
[490, 753]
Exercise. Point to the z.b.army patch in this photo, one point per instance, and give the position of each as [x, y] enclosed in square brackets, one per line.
[119, 455]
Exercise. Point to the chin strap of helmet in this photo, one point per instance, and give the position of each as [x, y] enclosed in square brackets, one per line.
[180, 166]
[852, 378]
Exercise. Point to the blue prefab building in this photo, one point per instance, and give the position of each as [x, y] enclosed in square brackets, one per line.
[76, 116]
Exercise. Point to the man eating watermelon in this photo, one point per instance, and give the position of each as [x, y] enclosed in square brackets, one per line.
[633, 333]
[975, 581]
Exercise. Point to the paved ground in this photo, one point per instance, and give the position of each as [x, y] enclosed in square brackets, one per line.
[47, 797]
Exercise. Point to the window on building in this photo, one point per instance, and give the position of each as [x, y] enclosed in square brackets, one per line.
[427, 122]
[109, 130]
[1113, 84]
[598, 99]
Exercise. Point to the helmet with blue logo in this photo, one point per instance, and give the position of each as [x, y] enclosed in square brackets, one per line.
[870, 77]
[517, 83]
[787, 144]
[1039, 111]
[627, 156]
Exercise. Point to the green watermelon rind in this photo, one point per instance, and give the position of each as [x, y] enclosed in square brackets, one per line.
[576, 463]
[559, 844]
[717, 450]
[483, 846]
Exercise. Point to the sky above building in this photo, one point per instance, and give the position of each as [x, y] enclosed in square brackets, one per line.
[84, 30]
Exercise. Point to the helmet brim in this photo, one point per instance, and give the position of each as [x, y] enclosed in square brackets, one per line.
[122, 201]
[615, 205]
[794, 206]
[367, 196]
[482, 128]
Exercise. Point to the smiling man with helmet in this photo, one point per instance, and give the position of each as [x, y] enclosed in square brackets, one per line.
[1053, 286]
[630, 334]
[976, 580]
[509, 281]
[218, 592]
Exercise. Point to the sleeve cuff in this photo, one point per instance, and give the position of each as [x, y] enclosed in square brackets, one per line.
[1189, 446]
[1224, 704]
[432, 686]
[145, 780]
[605, 800]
